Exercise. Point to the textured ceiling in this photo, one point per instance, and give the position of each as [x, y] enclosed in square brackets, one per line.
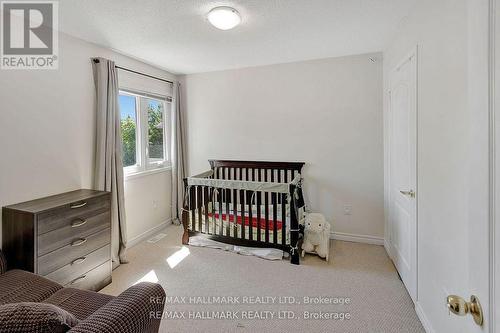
[175, 35]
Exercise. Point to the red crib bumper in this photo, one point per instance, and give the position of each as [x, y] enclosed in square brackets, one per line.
[239, 220]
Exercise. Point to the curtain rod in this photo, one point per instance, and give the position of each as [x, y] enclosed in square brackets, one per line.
[136, 72]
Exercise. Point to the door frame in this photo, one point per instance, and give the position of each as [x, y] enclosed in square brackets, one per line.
[494, 166]
[412, 53]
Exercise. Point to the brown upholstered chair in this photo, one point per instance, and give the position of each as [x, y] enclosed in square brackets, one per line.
[137, 310]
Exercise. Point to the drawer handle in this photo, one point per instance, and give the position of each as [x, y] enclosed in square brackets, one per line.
[78, 261]
[78, 279]
[78, 205]
[79, 242]
[78, 223]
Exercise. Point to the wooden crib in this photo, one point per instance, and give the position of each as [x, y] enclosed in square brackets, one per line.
[246, 203]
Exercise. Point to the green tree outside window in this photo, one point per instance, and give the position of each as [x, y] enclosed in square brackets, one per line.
[155, 135]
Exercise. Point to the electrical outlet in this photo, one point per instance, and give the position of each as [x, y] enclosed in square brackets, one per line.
[347, 210]
[155, 204]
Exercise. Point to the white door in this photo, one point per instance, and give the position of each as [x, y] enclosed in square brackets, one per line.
[455, 203]
[457, 241]
[403, 176]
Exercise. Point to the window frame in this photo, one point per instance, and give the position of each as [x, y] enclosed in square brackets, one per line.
[131, 169]
[166, 124]
[143, 164]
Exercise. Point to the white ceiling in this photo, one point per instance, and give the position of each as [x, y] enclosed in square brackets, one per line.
[175, 35]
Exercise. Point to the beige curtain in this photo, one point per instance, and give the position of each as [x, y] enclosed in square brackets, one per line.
[108, 172]
[178, 155]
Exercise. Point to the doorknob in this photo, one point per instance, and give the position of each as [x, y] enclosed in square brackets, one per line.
[457, 305]
[409, 193]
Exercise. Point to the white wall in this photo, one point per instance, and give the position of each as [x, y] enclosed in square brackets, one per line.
[47, 132]
[327, 113]
[147, 201]
[452, 186]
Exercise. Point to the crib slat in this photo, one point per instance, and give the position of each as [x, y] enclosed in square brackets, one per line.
[258, 217]
[242, 204]
[235, 208]
[258, 207]
[227, 197]
[193, 207]
[283, 209]
[249, 178]
[192, 192]
[279, 181]
[230, 177]
[283, 218]
[248, 203]
[211, 211]
[275, 212]
[222, 194]
[294, 233]
[216, 198]
[206, 199]
[228, 201]
[250, 217]
[266, 209]
[198, 207]
[212, 199]
[215, 209]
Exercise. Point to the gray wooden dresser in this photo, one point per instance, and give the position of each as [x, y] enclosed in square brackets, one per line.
[65, 237]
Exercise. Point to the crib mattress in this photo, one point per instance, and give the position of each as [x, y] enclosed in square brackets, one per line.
[215, 220]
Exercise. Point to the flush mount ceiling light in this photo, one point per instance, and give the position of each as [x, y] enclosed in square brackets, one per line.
[224, 18]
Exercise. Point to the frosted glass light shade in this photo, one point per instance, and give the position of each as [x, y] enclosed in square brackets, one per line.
[224, 18]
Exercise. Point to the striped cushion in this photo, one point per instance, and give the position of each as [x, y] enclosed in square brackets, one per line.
[137, 309]
[35, 318]
[81, 303]
[21, 286]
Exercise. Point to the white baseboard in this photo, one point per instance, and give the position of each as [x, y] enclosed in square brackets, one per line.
[148, 233]
[423, 318]
[357, 238]
[387, 247]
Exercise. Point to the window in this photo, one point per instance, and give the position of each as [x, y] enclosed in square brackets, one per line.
[129, 129]
[145, 129]
[156, 140]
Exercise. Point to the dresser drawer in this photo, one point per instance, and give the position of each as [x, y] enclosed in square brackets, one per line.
[63, 216]
[79, 266]
[94, 279]
[65, 255]
[72, 232]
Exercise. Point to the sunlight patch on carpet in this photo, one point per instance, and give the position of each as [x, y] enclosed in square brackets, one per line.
[150, 277]
[177, 257]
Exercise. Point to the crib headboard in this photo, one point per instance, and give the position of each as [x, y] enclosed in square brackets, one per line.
[256, 170]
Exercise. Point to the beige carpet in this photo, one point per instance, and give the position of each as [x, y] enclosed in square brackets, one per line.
[362, 273]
